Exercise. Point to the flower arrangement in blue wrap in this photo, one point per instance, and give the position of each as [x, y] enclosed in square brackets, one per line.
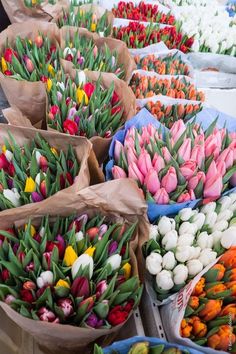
[231, 8]
[179, 167]
[145, 345]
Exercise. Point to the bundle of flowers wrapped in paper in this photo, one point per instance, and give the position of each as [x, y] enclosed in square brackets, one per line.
[31, 60]
[147, 85]
[168, 65]
[176, 166]
[142, 12]
[137, 35]
[87, 17]
[211, 311]
[34, 171]
[179, 248]
[73, 270]
[167, 114]
[86, 109]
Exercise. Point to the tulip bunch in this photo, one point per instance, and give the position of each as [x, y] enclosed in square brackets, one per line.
[85, 19]
[185, 165]
[31, 60]
[34, 172]
[84, 109]
[169, 65]
[168, 114]
[145, 86]
[74, 271]
[211, 311]
[142, 12]
[178, 249]
[34, 3]
[136, 35]
[85, 55]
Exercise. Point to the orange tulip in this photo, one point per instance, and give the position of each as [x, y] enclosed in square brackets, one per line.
[231, 286]
[229, 310]
[232, 275]
[198, 290]
[229, 258]
[221, 271]
[223, 339]
[186, 328]
[193, 302]
[215, 289]
[211, 310]
[199, 328]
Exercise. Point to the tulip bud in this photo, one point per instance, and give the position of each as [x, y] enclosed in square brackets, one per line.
[154, 263]
[228, 237]
[92, 233]
[164, 225]
[102, 309]
[185, 240]
[114, 261]
[207, 256]
[89, 302]
[170, 240]
[164, 280]
[29, 65]
[101, 287]
[80, 287]
[169, 261]
[9, 299]
[29, 285]
[43, 189]
[81, 262]
[185, 214]
[112, 247]
[194, 267]
[46, 315]
[39, 41]
[45, 278]
[93, 321]
[180, 274]
[4, 163]
[153, 232]
[36, 197]
[66, 306]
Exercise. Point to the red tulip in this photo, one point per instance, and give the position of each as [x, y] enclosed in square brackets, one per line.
[4, 163]
[47, 315]
[26, 295]
[69, 178]
[44, 79]
[92, 233]
[29, 285]
[5, 275]
[115, 99]
[54, 109]
[43, 189]
[89, 89]
[115, 110]
[43, 163]
[101, 287]
[29, 65]
[8, 55]
[70, 127]
[39, 41]
[11, 169]
[80, 287]
[47, 256]
[8, 73]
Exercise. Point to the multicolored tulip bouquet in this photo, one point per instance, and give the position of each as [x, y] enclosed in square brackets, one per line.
[34, 3]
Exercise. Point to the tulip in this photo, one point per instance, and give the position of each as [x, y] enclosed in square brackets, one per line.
[213, 186]
[186, 328]
[193, 302]
[45, 279]
[228, 237]
[211, 310]
[223, 339]
[229, 310]
[158, 162]
[93, 321]
[131, 155]
[212, 146]
[112, 247]
[27, 296]
[170, 240]
[198, 220]
[188, 169]
[118, 172]
[81, 262]
[47, 316]
[169, 261]
[153, 232]
[207, 256]
[135, 173]
[227, 156]
[144, 162]
[5, 275]
[180, 274]
[8, 54]
[183, 253]
[4, 163]
[212, 170]
[92, 232]
[161, 196]
[29, 285]
[185, 197]
[89, 89]
[195, 180]
[177, 129]
[9, 299]
[184, 151]
[71, 113]
[114, 261]
[127, 270]
[89, 302]
[215, 290]
[39, 41]
[70, 256]
[169, 182]
[204, 240]
[66, 306]
[118, 150]
[165, 225]
[166, 154]
[101, 287]
[13, 196]
[79, 222]
[199, 329]
[70, 127]
[81, 96]
[187, 228]
[29, 65]
[63, 284]
[151, 181]
[36, 197]
[90, 251]
[154, 263]
[185, 240]
[164, 280]
[9, 155]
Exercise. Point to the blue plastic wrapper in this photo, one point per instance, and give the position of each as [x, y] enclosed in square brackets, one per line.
[124, 346]
[143, 118]
[230, 7]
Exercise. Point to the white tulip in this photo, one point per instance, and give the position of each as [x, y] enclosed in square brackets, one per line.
[38, 178]
[82, 77]
[216, 235]
[153, 232]
[154, 263]
[67, 51]
[114, 261]
[42, 231]
[183, 253]
[220, 226]
[13, 196]
[180, 274]
[169, 261]
[185, 240]
[207, 256]
[187, 228]
[9, 155]
[79, 236]
[208, 208]
[164, 225]
[210, 219]
[37, 156]
[185, 214]
[164, 280]
[45, 278]
[228, 237]
[204, 240]
[224, 215]
[198, 220]
[194, 252]
[170, 239]
[194, 267]
[225, 203]
[83, 261]
[61, 85]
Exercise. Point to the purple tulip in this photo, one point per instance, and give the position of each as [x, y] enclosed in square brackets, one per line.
[112, 247]
[36, 197]
[77, 120]
[10, 183]
[80, 287]
[80, 61]
[102, 230]
[93, 321]
[59, 96]
[71, 113]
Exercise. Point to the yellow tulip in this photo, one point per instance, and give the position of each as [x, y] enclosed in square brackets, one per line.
[51, 70]
[49, 85]
[34, 2]
[70, 45]
[32, 229]
[70, 256]
[30, 42]
[54, 151]
[81, 95]
[90, 251]
[62, 283]
[4, 65]
[81, 12]
[93, 27]
[127, 270]
[101, 65]
[30, 185]
[4, 149]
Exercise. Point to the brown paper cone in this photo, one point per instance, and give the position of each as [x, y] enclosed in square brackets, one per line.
[29, 97]
[108, 199]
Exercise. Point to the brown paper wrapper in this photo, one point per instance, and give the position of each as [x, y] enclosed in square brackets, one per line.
[108, 199]
[96, 9]
[29, 97]
[124, 58]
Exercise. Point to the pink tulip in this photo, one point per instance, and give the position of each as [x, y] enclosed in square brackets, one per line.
[234, 153]
[152, 131]
[166, 154]
[232, 136]
[213, 187]
[212, 147]
[185, 197]
[144, 162]
[177, 130]
[119, 148]
[195, 180]
[199, 140]
[221, 168]
[170, 181]
[161, 196]
[129, 142]
[227, 156]
[145, 135]
[135, 173]
[188, 169]
[71, 113]
[131, 155]
[233, 180]
[198, 155]
[118, 172]
[212, 170]
[185, 149]
[217, 134]
[151, 181]
[158, 162]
